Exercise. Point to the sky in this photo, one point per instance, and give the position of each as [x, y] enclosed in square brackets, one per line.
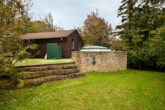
[70, 14]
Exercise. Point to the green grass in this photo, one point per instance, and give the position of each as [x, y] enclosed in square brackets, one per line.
[129, 90]
[41, 61]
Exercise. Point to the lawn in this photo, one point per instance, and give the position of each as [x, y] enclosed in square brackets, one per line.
[42, 61]
[128, 90]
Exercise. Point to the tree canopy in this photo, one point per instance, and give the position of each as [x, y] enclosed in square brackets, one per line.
[13, 23]
[140, 22]
[45, 24]
[96, 30]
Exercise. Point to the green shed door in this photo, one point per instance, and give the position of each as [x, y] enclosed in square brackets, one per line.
[53, 51]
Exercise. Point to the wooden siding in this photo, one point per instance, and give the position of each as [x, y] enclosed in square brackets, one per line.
[65, 43]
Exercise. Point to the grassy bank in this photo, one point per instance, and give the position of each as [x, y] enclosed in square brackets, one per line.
[42, 61]
[129, 90]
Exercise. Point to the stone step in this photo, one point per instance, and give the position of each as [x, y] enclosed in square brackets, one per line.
[47, 67]
[38, 81]
[7, 83]
[38, 74]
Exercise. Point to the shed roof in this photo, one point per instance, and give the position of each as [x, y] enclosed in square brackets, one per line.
[45, 35]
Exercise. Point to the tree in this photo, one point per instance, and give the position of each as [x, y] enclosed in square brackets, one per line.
[117, 44]
[157, 45]
[49, 21]
[38, 26]
[160, 47]
[96, 30]
[45, 24]
[126, 11]
[14, 22]
[140, 19]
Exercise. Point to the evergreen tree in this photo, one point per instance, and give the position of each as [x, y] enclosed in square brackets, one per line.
[140, 19]
[157, 46]
[126, 11]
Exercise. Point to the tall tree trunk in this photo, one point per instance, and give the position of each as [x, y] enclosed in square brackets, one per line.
[140, 65]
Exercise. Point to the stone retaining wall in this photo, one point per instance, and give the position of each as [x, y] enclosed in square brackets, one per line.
[104, 61]
[33, 75]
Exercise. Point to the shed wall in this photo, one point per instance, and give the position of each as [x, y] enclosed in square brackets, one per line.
[41, 50]
[65, 43]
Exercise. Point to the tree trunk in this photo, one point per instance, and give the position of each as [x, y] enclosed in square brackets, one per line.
[140, 66]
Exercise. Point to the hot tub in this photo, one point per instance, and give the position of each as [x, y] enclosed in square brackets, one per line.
[95, 49]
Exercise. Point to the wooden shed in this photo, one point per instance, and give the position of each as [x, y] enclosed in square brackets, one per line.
[68, 40]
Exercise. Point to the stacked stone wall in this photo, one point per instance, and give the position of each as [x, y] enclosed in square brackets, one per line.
[100, 61]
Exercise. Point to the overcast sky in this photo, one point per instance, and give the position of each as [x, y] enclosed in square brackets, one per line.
[72, 13]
